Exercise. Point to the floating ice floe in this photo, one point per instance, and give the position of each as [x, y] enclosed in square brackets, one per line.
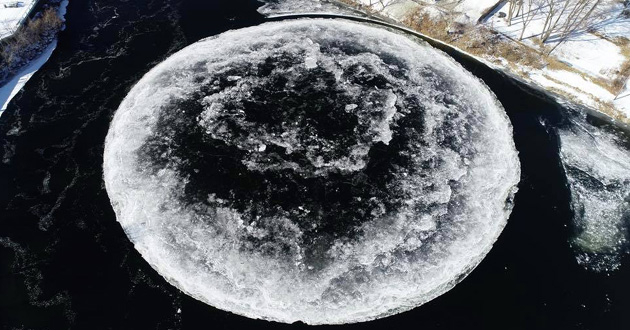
[597, 163]
[349, 173]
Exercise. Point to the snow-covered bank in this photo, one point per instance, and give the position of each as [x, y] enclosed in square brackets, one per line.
[15, 84]
[594, 54]
[11, 88]
[597, 167]
[12, 17]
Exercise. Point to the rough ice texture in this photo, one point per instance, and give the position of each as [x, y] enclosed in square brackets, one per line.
[597, 163]
[283, 7]
[314, 170]
[10, 17]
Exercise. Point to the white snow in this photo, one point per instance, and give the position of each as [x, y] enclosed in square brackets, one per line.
[473, 9]
[13, 86]
[470, 10]
[378, 5]
[203, 249]
[400, 9]
[610, 21]
[622, 101]
[586, 91]
[580, 83]
[10, 18]
[589, 53]
[592, 55]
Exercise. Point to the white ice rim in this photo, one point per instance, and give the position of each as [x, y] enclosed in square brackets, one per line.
[199, 261]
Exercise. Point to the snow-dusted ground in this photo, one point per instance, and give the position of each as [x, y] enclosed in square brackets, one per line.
[594, 54]
[573, 84]
[470, 10]
[584, 51]
[473, 9]
[8, 91]
[10, 17]
[622, 102]
[11, 88]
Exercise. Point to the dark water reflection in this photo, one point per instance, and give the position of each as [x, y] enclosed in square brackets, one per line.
[65, 263]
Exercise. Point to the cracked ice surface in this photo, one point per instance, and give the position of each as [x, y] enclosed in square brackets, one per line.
[280, 7]
[598, 171]
[314, 170]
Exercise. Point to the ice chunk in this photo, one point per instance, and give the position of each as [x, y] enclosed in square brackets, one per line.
[343, 193]
[280, 7]
[597, 165]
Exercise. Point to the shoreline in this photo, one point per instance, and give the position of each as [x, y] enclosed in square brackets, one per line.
[15, 83]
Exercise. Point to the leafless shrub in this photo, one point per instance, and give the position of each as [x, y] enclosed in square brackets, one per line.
[29, 37]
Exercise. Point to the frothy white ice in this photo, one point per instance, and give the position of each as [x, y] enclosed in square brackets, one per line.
[279, 7]
[598, 172]
[402, 259]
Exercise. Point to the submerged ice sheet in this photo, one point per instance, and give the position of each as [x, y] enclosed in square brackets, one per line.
[597, 163]
[315, 170]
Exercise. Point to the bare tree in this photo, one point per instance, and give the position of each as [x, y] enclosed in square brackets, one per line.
[554, 14]
[514, 7]
[528, 14]
[576, 19]
[380, 5]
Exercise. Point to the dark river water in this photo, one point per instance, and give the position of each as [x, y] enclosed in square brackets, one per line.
[65, 263]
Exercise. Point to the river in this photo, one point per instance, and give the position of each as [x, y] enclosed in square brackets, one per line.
[65, 263]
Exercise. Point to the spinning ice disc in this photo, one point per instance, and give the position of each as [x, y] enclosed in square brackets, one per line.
[314, 170]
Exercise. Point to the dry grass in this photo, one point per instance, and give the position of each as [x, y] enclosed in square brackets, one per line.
[480, 41]
[356, 5]
[477, 40]
[556, 65]
[605, 107]
[350, 3]
[616, 84]
[29, 36]
[622, 78]
[623, 75]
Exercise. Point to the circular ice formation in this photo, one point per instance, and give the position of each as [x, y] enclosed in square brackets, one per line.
[314, 170]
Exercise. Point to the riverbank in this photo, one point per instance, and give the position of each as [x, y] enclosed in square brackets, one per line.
[460, 55]
[13, 14]
[20, 63]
